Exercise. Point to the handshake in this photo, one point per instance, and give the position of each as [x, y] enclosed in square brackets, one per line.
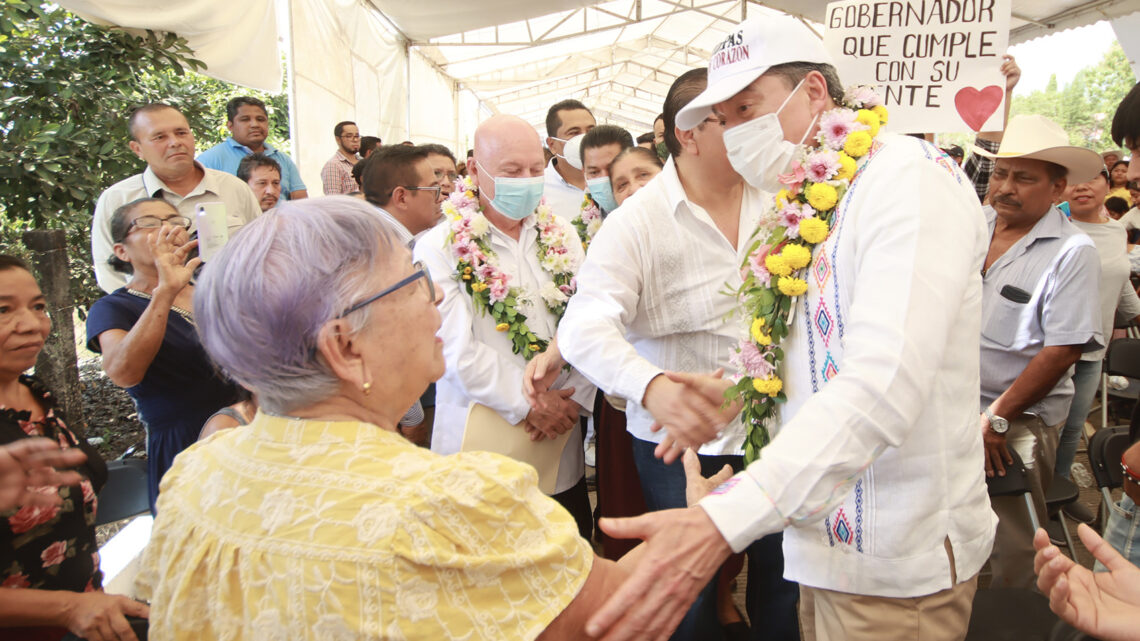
[691, 408]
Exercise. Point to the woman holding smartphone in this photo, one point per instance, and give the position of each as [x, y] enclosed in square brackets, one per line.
[147, 335]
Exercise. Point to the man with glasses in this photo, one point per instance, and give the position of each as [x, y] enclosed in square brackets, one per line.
[336, 175]
[400, 182]
[443, 164]
[161, 137]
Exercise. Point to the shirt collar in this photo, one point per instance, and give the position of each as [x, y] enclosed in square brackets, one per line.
[671, 184]
[1051, 225]
[552, 174]
[154, 186]
[402, 232]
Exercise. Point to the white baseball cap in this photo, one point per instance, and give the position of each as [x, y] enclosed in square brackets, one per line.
[758, 44]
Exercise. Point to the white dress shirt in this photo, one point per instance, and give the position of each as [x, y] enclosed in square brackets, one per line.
[651, 298]
[565, 200]
[480, 364]
[216, 186]
[898, 422]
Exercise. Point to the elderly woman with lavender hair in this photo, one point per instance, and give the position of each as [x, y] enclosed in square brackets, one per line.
[317, 520]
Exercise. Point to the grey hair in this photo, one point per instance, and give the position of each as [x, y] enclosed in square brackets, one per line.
[794, 72]
[261, 302]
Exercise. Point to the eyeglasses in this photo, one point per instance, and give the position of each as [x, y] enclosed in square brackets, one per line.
[450, 175]
[154, 222]
[435, 188]
[351, 136]
[421, 272]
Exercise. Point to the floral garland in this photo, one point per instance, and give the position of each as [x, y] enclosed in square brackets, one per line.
[588, 221]
[801, 217]
[489, 287]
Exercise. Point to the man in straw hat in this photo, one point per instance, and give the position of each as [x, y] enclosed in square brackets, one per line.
[1040, 312]
[873, 472]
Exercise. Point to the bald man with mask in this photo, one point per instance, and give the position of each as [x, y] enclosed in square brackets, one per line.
[507, 171]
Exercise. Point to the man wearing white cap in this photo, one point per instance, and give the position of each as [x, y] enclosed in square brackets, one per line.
[1040, 312]
[873, 471]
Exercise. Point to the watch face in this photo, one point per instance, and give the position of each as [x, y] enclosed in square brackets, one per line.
[999, 425]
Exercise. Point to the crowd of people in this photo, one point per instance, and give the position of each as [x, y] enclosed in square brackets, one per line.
[370, 414]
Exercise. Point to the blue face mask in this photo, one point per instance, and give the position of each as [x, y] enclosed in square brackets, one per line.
[603, 193]
[515, 198]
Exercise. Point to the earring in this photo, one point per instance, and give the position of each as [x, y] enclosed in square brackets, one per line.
[366, 388]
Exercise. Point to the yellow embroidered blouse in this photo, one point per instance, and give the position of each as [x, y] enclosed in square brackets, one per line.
[305, 529]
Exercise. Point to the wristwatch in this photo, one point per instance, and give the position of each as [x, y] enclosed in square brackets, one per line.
[998, 424]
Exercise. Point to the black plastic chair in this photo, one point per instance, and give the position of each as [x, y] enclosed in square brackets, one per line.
[1121, 359]
[1105, 449]
[1011, 614]
[1014, 482]
[1062, 492]
[125, 493]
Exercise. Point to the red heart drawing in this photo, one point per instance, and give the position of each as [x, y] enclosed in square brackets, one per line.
[975, 107]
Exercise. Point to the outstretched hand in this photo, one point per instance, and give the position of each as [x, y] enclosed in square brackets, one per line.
[1105, 605]
[28, 464]
[697, 486]
[682, 552]
[169, 248]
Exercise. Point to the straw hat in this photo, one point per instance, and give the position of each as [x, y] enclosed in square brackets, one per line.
[1039, 138]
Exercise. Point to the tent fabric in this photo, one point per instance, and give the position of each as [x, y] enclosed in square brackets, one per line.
[236, 40]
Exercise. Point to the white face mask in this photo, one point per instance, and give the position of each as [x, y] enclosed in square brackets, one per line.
[757, 149]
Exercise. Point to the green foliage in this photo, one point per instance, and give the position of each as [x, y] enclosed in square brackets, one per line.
[1084, 108]
[66, 89]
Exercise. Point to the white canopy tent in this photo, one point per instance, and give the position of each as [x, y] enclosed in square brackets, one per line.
[430, 72]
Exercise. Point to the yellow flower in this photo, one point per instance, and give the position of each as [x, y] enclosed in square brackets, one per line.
[502, 327]
[470, 194]
[776, 264]
[858, 144]
[478, 287]
[846, 167]
[869, 118]
[792, 286]
[758, 334]
[467, 277]
[881, 112]
[796, 256]
[782, 197]
[813, 230]
[532, 347]
[466, 270]
[770, 386]
[823, 196]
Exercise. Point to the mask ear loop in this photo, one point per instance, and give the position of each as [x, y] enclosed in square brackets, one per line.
[784, 104]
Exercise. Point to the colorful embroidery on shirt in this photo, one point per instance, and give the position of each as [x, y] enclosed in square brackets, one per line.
[723, 488]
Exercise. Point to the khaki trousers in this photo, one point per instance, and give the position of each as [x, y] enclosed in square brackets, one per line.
[826, 615]
[1012, 557]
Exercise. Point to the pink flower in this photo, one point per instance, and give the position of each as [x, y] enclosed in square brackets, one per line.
[756, 263]
[462, 251]
[487, 271]
[835, 126]
[790, 218]
[566, 289]
[794, 179]
[28, 517]
[863, 96]
[54, 554]
[822, 165]
[750, 359]
[498, 291]
[16, 581]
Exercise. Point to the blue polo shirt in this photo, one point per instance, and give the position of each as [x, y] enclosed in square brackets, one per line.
[226, 156]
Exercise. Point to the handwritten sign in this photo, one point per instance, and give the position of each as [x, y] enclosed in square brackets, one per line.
[937, 63]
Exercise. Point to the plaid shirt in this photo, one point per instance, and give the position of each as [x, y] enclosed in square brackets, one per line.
[979, 168]
[336, 176]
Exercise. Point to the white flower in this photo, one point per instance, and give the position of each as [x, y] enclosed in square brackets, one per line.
[479, 226]
[269, 626]
[416, 599]
[376, 521]
[277, 509]
[552, 295]
[593, 226]
[331, 627]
